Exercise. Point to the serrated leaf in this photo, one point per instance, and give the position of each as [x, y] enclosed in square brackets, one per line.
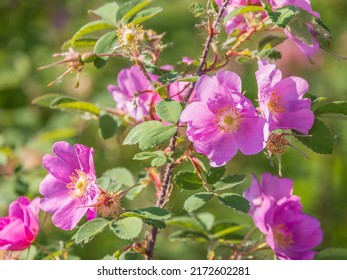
[234, 201]
[107, 126]
[301, 31]
[158, 157]
[282, 16]
[229, 181]
[127, 228]
[57, 134]
[120, 176]
[214, 174]
[99, 63]
[155, 213]
[135, 135]
[97, 25]
[169, 77]
[155, 223]
[189, 79]
[320, 139]
[185, 222]
[131, 256]
[159, 161]
[79, 107]
[145, 15]
[107, 11]
[131, 194]
[90, 229]
[47, 99]
[243, 10]
[157, 136]
[196, 201]
[196, 9]
[184, 235]
[85, 41]
[337, 107]
[332, 254]
[270, 41]
[187, 180]
[130, 8]
[106, 44]
[169, 110]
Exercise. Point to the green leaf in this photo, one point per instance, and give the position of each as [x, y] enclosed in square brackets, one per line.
[196, 9]
[301, 31]
[184, 235]
[130, 8]
[169, 77]
[106, 44]
[127, 228]
[196, 201]
[97, 25]
[155, 213]
[79, 107]
[185, 222]
[189, 79]
[337, 107]
[270, 41]
[187, 180]
[106, 12]
[229, 181]
[85, 41]
[136, 134]
[108, 126]
[99, 63]
[47, 99]
[159, 161]
[145, 15]
[169, 111]
[282, 16]
[155, 223]
[319, 139]
[214, 174]
[234, 201]
[120, 176]
[224, 230]
[158, 157]
[206, 219]
[157, 136]
[134, 192]
[243, 10]
[87, 231]
[332, 254]
[314, 99]
[129, 255]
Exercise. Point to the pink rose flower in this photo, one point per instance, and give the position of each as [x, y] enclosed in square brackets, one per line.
[221, 120]
[281, 101]
[19, 229]
[70, 189]
[290, 233]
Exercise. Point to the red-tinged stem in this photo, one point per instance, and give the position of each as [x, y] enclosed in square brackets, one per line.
[152, 235]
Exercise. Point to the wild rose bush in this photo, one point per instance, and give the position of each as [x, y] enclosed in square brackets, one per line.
[189, 120]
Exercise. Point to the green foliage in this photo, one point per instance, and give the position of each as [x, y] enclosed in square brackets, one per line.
[158, 158]
[243, 10]
[154, 213]
[107, 126]
[129, 9]
[127, 228]
[146, 15]
[88, 230]
[332, 254]
[337, 107]
[91, 27]
[214, 174]
[185, 222]
[184, 235]
[270, 42]
[196, 201]
[107, 12]
[106, 44]
[320, 139]
[50, 99]
[116, 179]
[281, 16]
[234, 201]
[229, 182]
[169, 111]
[150, 134]
[187, 180]
[129, 255]
[196, 9]
[225, 230]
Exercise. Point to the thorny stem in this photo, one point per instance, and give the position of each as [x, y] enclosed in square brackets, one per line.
[152, 235]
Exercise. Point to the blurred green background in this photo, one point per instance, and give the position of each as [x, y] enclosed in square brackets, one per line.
[33, 30]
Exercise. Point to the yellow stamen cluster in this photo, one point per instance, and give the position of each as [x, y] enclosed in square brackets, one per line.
[227, 119]
[129, 35]
[79, 184]
[275, 104]
[282, 237]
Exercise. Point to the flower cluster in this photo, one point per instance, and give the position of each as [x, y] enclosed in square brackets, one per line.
[242, 24]
[19, 229]
[222, 120]
[70, 189]
[290, 233]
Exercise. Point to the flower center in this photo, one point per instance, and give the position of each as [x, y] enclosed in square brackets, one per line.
[79, 185]
[227, 119]
[283, 238]
[275, 104]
